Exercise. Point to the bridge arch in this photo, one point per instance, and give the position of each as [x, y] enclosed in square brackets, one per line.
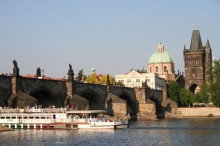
[131, 107]
[159, 108]
[194, 88]
[45, 97]
[95, 102]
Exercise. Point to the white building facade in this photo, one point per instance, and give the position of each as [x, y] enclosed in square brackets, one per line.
[136, 79]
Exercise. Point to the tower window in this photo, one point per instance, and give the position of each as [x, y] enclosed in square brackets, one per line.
[156, 69]
[165, 69]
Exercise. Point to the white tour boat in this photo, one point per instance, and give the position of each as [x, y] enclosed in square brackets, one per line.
[39, 118]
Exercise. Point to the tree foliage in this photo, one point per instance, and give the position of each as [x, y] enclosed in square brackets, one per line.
[119, 84]
[92, 79]
[214, 78]
[104, 80]
[173, 91]
[99, 79]
[203, 95]
[80, 76]
[187, 97]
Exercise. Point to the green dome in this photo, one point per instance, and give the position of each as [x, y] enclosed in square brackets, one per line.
[160, 56]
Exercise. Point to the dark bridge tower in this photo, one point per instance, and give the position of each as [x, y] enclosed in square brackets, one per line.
[197, 62]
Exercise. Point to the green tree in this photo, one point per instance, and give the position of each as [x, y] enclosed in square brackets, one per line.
[203, 95]
[119, 84]
[186, 97]
[173, 91]
[84, 77]
[80, 75]
[214, 78]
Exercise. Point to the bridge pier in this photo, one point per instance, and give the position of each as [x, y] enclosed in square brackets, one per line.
[146, 107]
[115, 106]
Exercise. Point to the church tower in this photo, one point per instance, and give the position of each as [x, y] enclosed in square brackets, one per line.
[198, 60]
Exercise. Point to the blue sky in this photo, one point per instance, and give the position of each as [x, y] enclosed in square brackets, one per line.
[113, 36]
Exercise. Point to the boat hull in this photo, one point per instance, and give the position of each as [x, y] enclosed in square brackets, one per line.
[103, 125]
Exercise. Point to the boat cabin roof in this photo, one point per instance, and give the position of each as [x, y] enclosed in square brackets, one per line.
[85, 112]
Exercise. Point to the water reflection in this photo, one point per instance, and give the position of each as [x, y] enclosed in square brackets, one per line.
[162, 132]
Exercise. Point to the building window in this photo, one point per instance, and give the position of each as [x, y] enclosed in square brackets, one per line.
[128, 80]
[122, 81]
[156, 69]
[150, 69]
[165, 69]
[138, 80]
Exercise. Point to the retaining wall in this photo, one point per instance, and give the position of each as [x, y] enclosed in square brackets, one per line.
[199, 112]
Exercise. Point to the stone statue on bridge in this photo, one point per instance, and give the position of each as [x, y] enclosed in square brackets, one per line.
[70, 67]
[15, 69]
[15, 64]
[70, 73]
[38, 72]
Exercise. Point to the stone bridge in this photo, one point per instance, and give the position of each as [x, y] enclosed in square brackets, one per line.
[17, 91]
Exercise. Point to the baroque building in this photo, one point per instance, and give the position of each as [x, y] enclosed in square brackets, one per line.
[197, 60]
[139, 79]
[161, 63]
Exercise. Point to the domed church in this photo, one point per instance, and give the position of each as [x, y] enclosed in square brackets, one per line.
[161, 63]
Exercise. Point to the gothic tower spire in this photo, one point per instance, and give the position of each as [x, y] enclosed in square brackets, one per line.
[196, 42]
[207, 44]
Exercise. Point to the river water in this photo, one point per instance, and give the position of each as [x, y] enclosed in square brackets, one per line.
[195, 131]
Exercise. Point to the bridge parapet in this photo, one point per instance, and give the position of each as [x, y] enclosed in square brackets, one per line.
[30, 84]
[89, 85]
[119, 90]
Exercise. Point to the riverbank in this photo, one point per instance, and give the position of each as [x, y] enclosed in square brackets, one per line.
[3, 128]
[198, 112]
